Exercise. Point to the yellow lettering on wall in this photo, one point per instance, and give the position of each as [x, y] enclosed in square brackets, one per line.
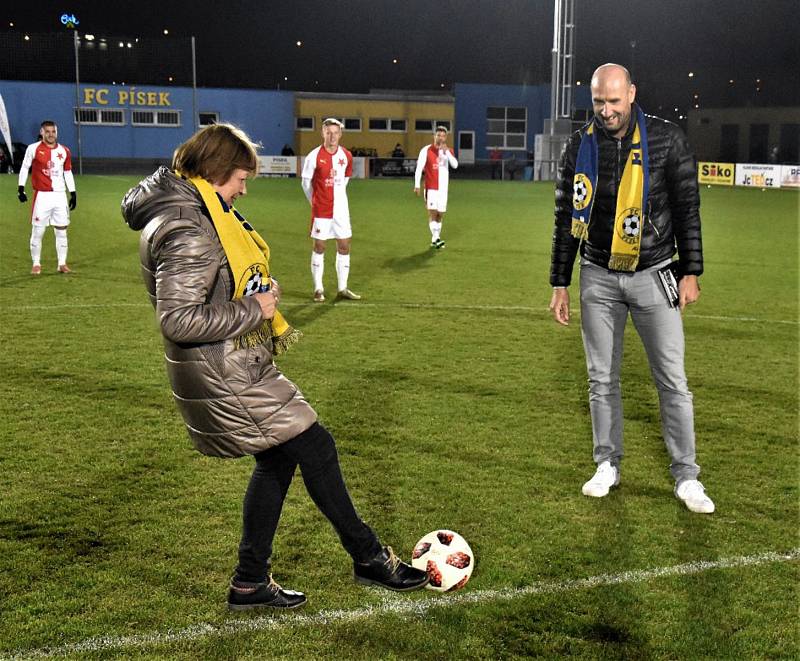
[122, 97]
[101, 97]
[152, 99]
[88, 95]
[141, 98]
[163, 99]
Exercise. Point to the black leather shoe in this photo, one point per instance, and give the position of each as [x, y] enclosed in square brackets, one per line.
[245, 596]
[388, 571]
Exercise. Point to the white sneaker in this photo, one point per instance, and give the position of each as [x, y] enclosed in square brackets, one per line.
[605, 477]
[693, 495]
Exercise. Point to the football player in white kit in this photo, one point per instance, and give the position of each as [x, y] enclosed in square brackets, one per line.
[434, 161]
[326, 172]
[51, 175]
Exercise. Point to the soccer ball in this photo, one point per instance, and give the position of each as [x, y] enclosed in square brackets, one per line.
[579, 192]
[630, 225]
[447, 558]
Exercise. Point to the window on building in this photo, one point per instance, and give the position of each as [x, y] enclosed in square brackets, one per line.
[506, 127]
[352, 123]
[100, 116]
[729, 143]
[386, 124]
[207, 118]
[759, 146]
[427, 125]
[790, 143]
[304, 123]
[163, 118]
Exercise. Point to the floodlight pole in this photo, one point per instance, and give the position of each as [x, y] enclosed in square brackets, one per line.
[78, 102]
[563, 62]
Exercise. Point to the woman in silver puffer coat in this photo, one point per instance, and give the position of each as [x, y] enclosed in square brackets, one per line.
[233, 399]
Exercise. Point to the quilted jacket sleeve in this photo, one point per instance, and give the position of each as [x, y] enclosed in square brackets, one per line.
[187, 265]
[565, 246]
[684, 202]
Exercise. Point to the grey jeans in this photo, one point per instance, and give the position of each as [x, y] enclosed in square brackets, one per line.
[606, 299]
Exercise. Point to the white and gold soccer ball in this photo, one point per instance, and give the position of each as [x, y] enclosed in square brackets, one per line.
[447, 558]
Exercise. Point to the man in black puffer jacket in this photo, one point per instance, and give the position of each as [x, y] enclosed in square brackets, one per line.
[614, 284]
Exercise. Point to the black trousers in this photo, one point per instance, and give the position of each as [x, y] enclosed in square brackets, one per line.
[314, 451]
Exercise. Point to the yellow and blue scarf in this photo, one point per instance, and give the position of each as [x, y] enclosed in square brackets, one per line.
[248, 258]
[631, 197]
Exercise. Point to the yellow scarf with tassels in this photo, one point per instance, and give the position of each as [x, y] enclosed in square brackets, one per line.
[631, 196]
[248, 258]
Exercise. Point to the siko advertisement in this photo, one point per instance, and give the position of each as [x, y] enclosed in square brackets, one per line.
[758, 175]
[715, 173]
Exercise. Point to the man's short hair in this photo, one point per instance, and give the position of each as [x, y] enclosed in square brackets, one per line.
[442, 128]
[47, 122]
[332, 121]
[215, 152]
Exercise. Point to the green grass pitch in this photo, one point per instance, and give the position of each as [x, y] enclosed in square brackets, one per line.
[455, 401]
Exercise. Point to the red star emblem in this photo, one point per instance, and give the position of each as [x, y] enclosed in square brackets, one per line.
[60, 157]
[341, 161]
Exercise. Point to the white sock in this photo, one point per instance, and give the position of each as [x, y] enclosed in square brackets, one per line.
[317, 268]
[61, 246]
[37, 232]
[436, 230]
[342, 269]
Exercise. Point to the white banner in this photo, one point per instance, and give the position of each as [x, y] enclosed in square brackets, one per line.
[758, 175]
[790, 176]
[5, 129]
[277, 166]
[359, 167]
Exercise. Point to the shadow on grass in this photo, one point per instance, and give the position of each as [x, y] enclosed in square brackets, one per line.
[616, 621]
[410, 262]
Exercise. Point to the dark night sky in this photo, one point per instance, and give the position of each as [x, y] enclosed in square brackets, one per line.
[349, 46]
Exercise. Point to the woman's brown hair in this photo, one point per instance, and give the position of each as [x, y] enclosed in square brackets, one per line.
[215, 152]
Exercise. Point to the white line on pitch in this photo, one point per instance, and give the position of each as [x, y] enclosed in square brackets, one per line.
[416, 306]
[394, 604]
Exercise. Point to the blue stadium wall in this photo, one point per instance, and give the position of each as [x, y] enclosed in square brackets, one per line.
[472, 100]
[266, 115]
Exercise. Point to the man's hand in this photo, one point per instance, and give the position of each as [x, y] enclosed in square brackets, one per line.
[416, 192]
[559, 305]
[21, 194]
[688, 290]
[73, 200]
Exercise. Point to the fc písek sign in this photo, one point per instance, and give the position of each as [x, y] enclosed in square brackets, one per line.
[124, 96]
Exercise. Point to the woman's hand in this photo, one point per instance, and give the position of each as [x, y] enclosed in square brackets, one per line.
[268, 302]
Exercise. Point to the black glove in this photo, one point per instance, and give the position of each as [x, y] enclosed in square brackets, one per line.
[21, 194]
[73, 200]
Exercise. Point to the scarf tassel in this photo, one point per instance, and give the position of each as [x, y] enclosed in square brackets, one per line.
[580, 230]
[284, 342]
[623, 262]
